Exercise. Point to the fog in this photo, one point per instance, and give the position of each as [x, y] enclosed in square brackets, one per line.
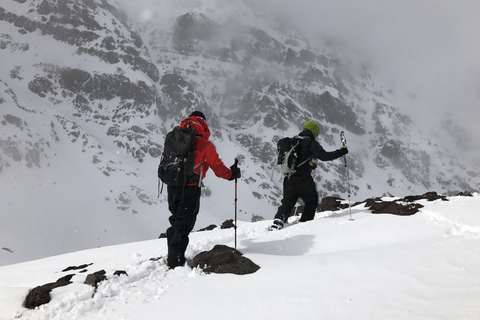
[426, 51]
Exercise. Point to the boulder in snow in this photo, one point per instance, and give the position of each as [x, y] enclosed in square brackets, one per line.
[223, 259]
[41, 294]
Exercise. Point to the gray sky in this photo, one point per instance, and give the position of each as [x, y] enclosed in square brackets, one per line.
[429, 49]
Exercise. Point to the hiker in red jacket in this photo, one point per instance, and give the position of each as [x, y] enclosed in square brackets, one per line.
[184, 201]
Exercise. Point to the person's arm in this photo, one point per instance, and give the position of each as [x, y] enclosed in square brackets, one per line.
[213, 161]
[318, 152]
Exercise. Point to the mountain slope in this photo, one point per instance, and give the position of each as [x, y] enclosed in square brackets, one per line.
[378, 266]
[91, 88]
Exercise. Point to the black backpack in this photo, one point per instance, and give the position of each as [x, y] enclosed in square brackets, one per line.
[177, 164]
[288, 153]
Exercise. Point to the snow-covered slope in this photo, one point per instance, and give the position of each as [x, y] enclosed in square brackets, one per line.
[378, 266]
[88, 90]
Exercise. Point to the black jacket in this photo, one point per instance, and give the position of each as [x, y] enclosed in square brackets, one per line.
[311, 149]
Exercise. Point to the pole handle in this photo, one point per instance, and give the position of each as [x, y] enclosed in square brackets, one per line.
[344, 142]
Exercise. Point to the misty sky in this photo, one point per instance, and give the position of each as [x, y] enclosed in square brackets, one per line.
[428, 51]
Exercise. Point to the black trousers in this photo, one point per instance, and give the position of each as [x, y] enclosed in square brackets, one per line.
[293, 189]
[183, 204]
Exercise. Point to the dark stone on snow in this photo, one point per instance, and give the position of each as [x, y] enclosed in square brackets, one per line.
[465, 194]
[397, 207]
[41, 294]
[331, 204]
[156, 259]
[210, 227]
[223, 259]
[37, 296]
[401, 207]
[430, 196]
[227, 224]
[120, 272]
[93, 279]
[83, 266]
[162, 235]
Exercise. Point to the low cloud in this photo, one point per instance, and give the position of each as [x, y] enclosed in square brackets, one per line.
[427, 51]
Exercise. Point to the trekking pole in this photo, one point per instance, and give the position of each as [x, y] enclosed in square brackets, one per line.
[235, 225]
[344, 142]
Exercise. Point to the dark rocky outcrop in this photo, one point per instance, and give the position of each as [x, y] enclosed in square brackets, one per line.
[223, 259]
[120, 273]
[208, 228]
[465, 194]
[83, 266]
[189, 30]
[397, 207]
[331, 204]
[430, 196]
[41, 294]
[227, 224]
[402, 207]
[93, 279]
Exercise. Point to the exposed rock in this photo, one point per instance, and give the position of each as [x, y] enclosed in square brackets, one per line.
[83, 266]
[223, 259]
[331, 204]
[430, 196]
[228, 224]
[41, 294]
[120, 273]
[397, 207]
[95, 278]
[189, 30]
[210, 227]
[19, 123]
[465, 194]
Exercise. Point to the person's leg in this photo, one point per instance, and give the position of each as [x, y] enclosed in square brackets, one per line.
[309, 195]
[290, 197]
[182, 223]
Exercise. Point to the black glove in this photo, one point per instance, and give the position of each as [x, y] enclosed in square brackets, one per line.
[344, 150]
[235, 173]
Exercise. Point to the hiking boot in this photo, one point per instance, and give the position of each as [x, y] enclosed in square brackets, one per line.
[277, 225]
[175, 261]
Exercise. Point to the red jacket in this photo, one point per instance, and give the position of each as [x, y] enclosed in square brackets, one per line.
[206, 155]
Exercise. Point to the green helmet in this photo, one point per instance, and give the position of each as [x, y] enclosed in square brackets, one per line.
[313, 127]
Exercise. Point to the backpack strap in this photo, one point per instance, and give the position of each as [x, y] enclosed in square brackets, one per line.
[303, 162]
[201, 172]
[299, 138]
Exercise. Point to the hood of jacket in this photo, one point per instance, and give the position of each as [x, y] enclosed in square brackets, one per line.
[198, 124]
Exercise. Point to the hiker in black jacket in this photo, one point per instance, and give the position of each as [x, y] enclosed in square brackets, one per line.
[301, 184]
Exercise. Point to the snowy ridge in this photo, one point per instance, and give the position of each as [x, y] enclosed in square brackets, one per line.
[411, 267]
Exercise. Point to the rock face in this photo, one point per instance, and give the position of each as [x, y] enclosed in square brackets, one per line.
[223, 259]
